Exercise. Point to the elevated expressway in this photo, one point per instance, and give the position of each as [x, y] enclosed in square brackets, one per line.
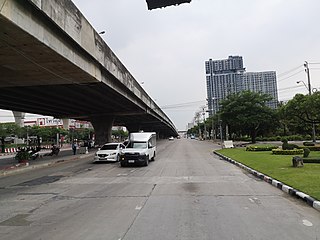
[53, 62]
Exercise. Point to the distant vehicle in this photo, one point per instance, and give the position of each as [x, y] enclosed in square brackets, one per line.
[192, 137]
[140, 150]
[171, 138]
[109, 152]
[54, 151]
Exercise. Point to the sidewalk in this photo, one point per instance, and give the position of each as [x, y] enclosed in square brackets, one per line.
[9, 165]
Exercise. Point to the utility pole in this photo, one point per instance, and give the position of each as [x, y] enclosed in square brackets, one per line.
[221, 139]
[204, 122]
[308, 76]
[309, 89]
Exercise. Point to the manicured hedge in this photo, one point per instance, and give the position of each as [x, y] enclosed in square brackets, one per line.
[287, 152]
[308, 143]
[260, 147]
[311, 160]
[312, 148]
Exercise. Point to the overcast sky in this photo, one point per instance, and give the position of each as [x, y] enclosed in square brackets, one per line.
[165, 49]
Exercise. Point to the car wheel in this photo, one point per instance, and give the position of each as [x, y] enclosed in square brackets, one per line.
[146, 163]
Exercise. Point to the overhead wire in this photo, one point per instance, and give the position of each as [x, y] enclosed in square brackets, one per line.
[289, 71]
[179, 105]
[282, 79]
[287, 88]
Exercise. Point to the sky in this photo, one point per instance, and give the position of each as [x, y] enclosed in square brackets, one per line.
[165, 49]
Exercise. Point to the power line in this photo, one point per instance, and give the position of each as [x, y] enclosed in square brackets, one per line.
[182, 104]
[287, 88]
[289, 71]
[290, 76]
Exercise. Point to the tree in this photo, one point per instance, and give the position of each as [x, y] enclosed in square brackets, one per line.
[304, 109]
[246, 113]
[7, 129]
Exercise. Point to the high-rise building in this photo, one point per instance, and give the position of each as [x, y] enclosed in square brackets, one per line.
[228, 76]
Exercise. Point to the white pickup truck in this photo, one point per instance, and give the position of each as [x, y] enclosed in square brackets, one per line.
[140, 150]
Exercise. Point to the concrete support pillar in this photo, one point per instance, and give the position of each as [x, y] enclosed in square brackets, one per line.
[19, 118]
[65, 122]
[133, 127]
[103, 128]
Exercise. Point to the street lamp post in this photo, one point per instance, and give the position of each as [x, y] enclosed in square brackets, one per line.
[27, 136]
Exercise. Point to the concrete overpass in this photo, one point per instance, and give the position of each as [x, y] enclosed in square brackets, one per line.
[53, 62]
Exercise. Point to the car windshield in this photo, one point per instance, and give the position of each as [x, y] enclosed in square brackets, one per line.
[138, 145]
[109, 147]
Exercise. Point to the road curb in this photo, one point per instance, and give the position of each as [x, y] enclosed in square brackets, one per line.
[18, 168]
[285, 188]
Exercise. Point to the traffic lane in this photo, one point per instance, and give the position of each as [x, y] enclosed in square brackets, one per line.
[66, 168]
[218, 217]
[80, 215]
[221, 200]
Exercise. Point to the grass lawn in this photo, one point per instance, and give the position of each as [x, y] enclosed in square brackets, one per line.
[305, 179]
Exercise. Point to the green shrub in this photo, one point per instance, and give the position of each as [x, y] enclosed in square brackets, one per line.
[260, 147]
[311, 160]
[288, 146]
[295, 138]
[22, 156]
[308, 143]
[306, 152]
[307, 137]
[287, 152]
[312, 148]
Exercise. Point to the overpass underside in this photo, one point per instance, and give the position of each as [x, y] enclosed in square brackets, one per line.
[68, 82]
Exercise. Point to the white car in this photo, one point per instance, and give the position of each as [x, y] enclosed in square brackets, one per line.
[109, 152]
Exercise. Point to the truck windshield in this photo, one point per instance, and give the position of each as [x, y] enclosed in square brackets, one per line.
[138, 145]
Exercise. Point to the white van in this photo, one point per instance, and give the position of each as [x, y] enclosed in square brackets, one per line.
[140, 150]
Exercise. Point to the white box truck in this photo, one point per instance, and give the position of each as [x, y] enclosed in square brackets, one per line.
[140, 150]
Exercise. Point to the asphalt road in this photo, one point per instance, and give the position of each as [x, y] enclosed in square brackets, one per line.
[187, 193]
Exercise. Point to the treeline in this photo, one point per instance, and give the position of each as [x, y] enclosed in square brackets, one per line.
[247, 117]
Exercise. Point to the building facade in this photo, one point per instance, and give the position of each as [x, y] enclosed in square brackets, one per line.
[228, 76]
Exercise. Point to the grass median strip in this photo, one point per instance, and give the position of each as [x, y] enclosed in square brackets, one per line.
[279, 167]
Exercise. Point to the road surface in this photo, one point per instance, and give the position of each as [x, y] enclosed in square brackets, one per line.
[187, 193]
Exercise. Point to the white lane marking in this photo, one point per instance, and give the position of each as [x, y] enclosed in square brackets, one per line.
[122, 174]
[251, 200]
[307, 223]
[138, 207]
